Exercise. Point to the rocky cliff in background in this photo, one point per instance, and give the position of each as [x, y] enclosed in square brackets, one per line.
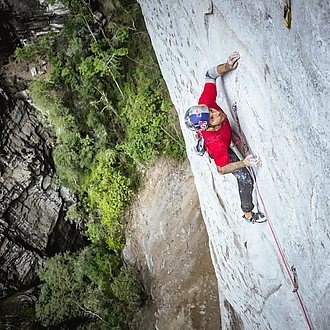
[23, 20]
[32, 203]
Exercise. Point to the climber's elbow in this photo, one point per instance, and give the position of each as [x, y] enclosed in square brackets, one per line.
[221, 170]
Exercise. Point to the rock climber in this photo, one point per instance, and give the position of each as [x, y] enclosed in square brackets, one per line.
[214, 133]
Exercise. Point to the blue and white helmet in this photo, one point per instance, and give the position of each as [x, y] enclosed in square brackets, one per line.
[197, 117]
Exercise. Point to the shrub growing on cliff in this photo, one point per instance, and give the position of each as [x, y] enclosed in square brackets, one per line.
[109, 191]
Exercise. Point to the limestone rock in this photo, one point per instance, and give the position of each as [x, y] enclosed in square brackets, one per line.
[281, 88]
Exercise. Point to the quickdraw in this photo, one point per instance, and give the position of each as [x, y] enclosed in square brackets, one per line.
[287, 14]
[237, 140]
[295, 279]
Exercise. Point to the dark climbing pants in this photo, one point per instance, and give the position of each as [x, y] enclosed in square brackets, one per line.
[245, 184]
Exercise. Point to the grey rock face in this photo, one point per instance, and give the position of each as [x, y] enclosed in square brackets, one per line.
[29, 209]
[281, 88]
[32, 224]
[32, 203]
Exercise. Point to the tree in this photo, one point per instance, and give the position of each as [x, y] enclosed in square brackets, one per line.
[109, 192]
[92, 283]
[62, 293]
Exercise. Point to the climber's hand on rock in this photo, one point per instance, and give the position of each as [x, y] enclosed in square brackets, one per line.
[232, 61]
[252, 161]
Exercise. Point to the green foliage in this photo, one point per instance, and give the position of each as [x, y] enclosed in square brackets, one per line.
[73, 156]
[149, 126]
[109, 192]
[108, 110]
[103, 62]
[31, 53]
[99, 97]
[62, 293]
[125, 289]
[91, 282]
[25, 54]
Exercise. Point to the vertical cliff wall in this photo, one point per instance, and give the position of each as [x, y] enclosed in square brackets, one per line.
[31, 199]
[281, 88]
[32, 202]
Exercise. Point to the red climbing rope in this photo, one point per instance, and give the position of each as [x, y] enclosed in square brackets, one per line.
[279, 247]
[245, 149]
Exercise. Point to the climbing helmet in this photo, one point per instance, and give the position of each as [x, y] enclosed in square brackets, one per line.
[197, 117]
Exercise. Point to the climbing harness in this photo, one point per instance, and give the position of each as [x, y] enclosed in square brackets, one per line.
[293, 277]
[287, 14]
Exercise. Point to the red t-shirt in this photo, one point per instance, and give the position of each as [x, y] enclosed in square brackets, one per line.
[216, 143]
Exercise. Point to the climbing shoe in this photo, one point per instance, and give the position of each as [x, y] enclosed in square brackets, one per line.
[256, 218]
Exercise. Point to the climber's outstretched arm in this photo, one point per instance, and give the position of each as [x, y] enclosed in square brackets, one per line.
[232, 63]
